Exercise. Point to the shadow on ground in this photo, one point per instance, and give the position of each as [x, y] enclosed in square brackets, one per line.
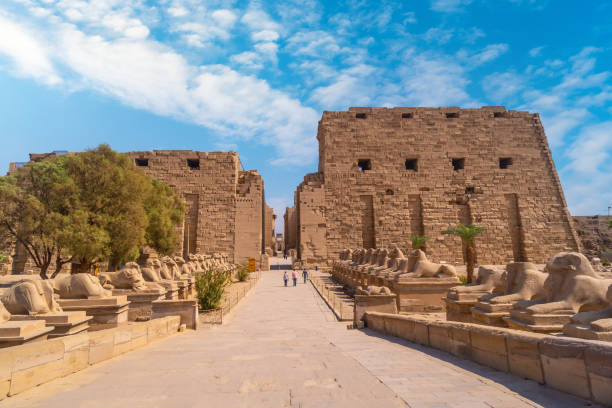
[521, 386]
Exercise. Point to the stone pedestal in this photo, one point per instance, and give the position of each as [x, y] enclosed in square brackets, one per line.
[141, 302]
[373, 303]
[182, 289]
[17, 332]
[584, 331]
[459, 310]
[171, 288]
[491, 314]
[107, 312]
[520, 319]
[422, 295]
[186, 309]
[62, 323]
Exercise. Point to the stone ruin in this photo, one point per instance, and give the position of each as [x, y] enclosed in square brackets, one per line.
[225, 205]
[385, 174]
[33, 309]
[418, 283]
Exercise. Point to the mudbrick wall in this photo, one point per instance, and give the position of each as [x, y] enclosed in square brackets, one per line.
[387, 173]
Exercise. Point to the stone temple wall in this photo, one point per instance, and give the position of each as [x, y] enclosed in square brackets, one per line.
[269, 220]
[290, 235]
[207, 182]
[389, 173]
[249, 217]
[224, 205]
[311, 226]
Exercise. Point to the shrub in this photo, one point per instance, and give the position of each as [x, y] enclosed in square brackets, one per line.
[2, 257]
[210, 287]
[242, 274]
[463, 279]
[606, 263]
[418, 241]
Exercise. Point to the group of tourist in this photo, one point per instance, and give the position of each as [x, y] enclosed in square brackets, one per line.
[294, 276]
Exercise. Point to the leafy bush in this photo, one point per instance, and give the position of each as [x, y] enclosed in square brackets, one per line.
[242, 274]
[463, 279]
[418, 241]
[606, 263]
[210, 287]
[2, 257]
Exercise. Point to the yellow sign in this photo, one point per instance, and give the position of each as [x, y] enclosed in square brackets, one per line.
[252, 265]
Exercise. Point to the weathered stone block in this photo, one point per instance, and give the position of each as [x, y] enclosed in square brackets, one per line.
[563, 365]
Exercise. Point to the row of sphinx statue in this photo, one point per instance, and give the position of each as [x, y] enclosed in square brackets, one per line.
[388, 265]
[565, 295]
[30, 295]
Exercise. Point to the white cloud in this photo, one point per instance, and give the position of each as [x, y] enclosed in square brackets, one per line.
[432, 80]
[500, 87]
[588, 173]
[353, 87]
[559, 124]
[438, 35]
[313, 43]
[449, 6]
[265, 35]
[489, 53]
[225, 18]
[534, 52]
[30, 57]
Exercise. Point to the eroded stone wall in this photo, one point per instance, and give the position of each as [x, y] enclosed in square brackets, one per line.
[290, 228]
[249, 217]
[389, 173]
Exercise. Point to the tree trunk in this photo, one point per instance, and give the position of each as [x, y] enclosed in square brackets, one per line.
[469, 252]
[43, 270]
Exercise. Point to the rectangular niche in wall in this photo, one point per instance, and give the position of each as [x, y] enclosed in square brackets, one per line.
[367, 221]
[190, 231]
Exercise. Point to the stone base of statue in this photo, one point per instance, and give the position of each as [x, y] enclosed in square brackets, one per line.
[422, 295]
[520, 319]
[491, 314]
[171, 289]
[182, 289]
[141, 302]
[62, 323]
[584, 331]
[459, 310]
[17, 332]
[107, 312]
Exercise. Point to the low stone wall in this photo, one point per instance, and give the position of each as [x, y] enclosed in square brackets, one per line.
[26, 366]
[187, 310]
[576, 366]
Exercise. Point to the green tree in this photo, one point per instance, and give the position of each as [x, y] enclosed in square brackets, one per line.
[164, 211]
[418, 241]
[467, 235]
[112, 218]
[36, 209]
[210, 287]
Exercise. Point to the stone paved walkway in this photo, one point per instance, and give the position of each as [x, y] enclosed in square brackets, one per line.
[280, 348]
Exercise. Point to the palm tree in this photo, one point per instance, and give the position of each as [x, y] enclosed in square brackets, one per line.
[418, 241]
[467, 235]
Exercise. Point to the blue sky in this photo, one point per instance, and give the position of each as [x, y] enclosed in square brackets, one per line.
[255, 76]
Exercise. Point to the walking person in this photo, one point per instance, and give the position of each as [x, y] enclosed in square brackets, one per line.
[294, 276]
[305, 275]
[285, 278]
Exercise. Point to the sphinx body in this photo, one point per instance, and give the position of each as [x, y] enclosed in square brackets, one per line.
[78, 286]
[130, 277]
[423, 268]
[150, 272]
[571, 286]
[489, 280]
[30, 297]
[523, 282]
[599, 320]
[4, 314]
